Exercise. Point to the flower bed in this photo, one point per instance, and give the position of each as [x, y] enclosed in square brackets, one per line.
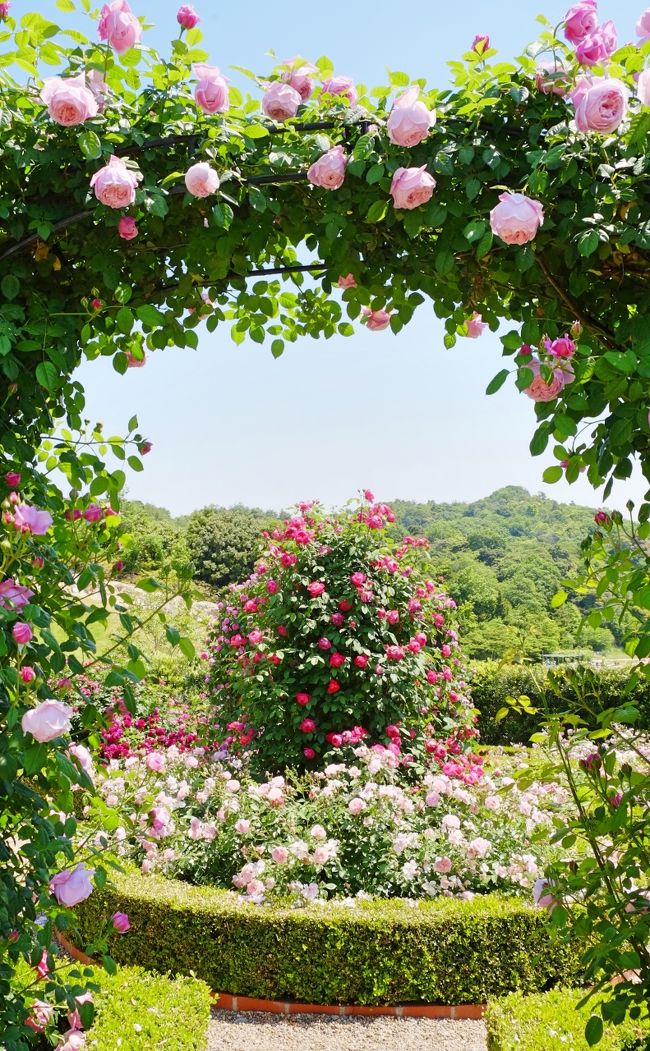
[446, 952]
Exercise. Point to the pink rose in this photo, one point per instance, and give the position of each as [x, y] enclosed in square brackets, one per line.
[516, 219]
[242, 826]
[115, 184]
[4, 10]
[376, 320]
[201, 180]
[187, 17]
[40, 1016]
[72, 886]
[156, 762]
[541, 896]
[643, 26]
[443, 865]
[563, 347]
[127, 228]
[303, 698]
[99, 88]
[48, 720]
[349, 281]
[13, 595]
[93, 513]
[580, 20]
[475, 326]
[12, 478]
[597, 47]
[32, 520]
[356, 806]
[316, 588]
[74, 1018]
[337, 660]
[280, 854]
[298, 75]
[22, 633]
[542, 390]
[412, 187]
[83, 759]
[409, 120]
[480, 43]
[307, 726]
[135, 363]
[343, 86]
[27, 674]
[73, 1040]
[643, 87]
[600, 104]
[68, 100]
[281, 101]
[309, 753]
[119, 26]
[552, 77]
[329, 170]
[361, 660]
[211, 91]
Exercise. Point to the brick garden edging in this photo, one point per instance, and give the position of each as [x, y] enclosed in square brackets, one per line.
[227, 1002]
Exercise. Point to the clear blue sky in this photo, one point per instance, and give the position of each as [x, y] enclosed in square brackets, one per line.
[399, 414]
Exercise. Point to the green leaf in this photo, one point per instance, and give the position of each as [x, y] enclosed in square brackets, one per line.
[10, 286]
[377, 211]
[223, 215]
[90, 144]
[187, 648]
[277, 347]
[475, 230]
[497, 383]
[375, 173]
[587, 245]
[559, 598]
[594, 1030]
[47, 375]
[552, 474]
[124, 320]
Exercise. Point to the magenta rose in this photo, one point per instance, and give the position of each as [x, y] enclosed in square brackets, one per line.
[580, 20]
[14, 595]
[119, 26]
[480, 43]
[329, 170]
[643, 87]
[201, 180]
[22, 633]
[4, 10]
[211, 91]
[475, 326]
[307, 726]
[597, 46]
[32, 520]
[12, 478]
[187, 17]
[343, 86]
[542, 389]
[516, 219]
[298, 74]
[48, 720]
[409, 120]
[412, 187]
[68, 100]
[376, 320]
[280, 101]
[643, 26]
[121, 922]
[127, 228]
[600, 104]
[316, 588]
[115, 184]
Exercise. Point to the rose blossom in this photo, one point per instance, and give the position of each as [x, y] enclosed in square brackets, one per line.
[541, 896]
[211, 91]
[552, 77]
[22, 633]
[600, 104]
[309, 753]
[119, 26]
[187, 17]
[349, 281]
[12, 478]
[72, 885]
[475, 326]
[27, 674]
[48, 720]
[409, 120]
[443, 865]
[303, 698]
[542, 390]
[298, 75]
[127, 228]
[115, 184]
[328, 171]
[40, 1014]
[32, 520]
[343, 86]
[279, 855]
[14, 595]
[74, 1017]
[73, 1040]
[643, 26]
[597, 47]
[4, 10]
[377, 320]
[412, 187]
[80, 753]
[201, 180]
[307, 726]
[316, 588]
[135, 363]
[480, 43]
[643, 86]
[356, 806]
[281, 101]
[68, 100]
[580, 20]
[516, 219]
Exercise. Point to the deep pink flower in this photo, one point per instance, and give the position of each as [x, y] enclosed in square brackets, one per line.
[145, 447]
[316, 588]
[93, 513]
[337, 660]
[308, 753]
[4, 10]
[187, 17]
[120, 920]
[12, 478]
[338, 620]
[32, 520]
[14, 595]
[602, 518]
[480, 43]
[324, 644]
[580, 20]
[563, 347]
[361, 660]
[127, 228]
[27, 674]
[333, 686]
[303, 698]
[307, 726]
[22, 633]
[597, 47]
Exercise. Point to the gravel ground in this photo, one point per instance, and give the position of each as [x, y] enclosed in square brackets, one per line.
[249, 1031]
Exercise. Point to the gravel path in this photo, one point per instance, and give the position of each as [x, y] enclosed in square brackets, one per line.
[249, 1031]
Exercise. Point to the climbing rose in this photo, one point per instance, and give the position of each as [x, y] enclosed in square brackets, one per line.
[201, 180]
[145, 447]
[298, 75]
[376, 319]
[211, 91]
[187, 17]
[115, 184]
[343, 86]
[93, 513]
[552, 77]
[12, 478]
[73, 1040]
[120, 920]
[475, 326]
[41, 1013]
[602, 518]
[308, 753]
[516, 218]
[412, 187]
[22, 633]
[643, 86]
[27, 674]
[135, 363]
[14, 595]
[349, 281]
[303, 698]
[4, 10]
[316, 588]
[642, 26]
[563, 347]
[308, 726]
[281, 101]
[329, 170]
[74, 1018]
[541, 896]
[409, 120]
[119, 26]
[127, 228]
[600, 103]
[32, 520]
[480, 44]
[580, 20]
[80, 753]
[596, 47]
[72, 886]
[540, 389]
[47, 720]
[68, 100]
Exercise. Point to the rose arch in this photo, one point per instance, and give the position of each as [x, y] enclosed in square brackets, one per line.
[141, 195]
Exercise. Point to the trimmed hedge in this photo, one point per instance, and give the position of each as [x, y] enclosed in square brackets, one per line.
[491, 683]
[171, 1014]
[551, 1022]
[446, 951]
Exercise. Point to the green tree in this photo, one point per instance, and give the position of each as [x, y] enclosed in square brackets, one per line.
[223, 543]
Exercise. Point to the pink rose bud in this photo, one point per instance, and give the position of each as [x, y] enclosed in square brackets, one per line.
[298, 75]
[516, 219]
[361, 660]
[119, 26]
[600, 104]
[120, 921]
[127, 228]
[27, 674]
[12, 478]
[48, 720]
[580, 20]
[211, 91]
[480, 44]
[412, 187]
[307, 726]
[303, 698]
[642, 26]
[329, 170]
[308, 753]
[68, 100]
[135, 363]
[475, 326]
[118, 566]
[4, 10]
[376, 320]
[597, 47]
[343, 86]
[281, 101]
[93, 513]
[72, 886]
[22, 633]
[349, 281]
[576, 329]
[602, 518]
[96, 304]
[410, 120]
[115, 184]
[201, 180]
[187, 17]
[145, 447]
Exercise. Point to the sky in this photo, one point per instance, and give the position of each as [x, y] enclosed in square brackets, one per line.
[398, 414]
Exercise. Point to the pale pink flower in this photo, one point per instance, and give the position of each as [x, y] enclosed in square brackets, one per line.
[600, 104]
[279, 855]
[73, 1040]
[643, 26]
[32, 520]
[281, 101]
[74, 1018]
[443, 865]
[329, 170]
[410, 120]
[201, 180]
[40, 1016]
[68, 100]
[376, 320]
[83, 758]
[72, 885]
[643, 85]
[155, 761]
[517, 218]
[119, 26]
[343, 86]
[552, 77]
[475, 326]
[48, 720]
[115, 184]
[356, 806]
[349, 281]
[540, 389]
[298, 74]
[411, 187]
[479, 847]
[13, 595]
[211, 91]
[242, 826]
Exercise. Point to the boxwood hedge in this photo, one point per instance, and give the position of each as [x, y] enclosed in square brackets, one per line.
[445, 951]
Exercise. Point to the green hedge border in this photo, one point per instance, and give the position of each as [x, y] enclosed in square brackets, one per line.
[440, 952]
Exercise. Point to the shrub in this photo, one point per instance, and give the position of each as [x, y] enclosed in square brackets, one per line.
[552, 1022]
[448, 951]
[170, 1013]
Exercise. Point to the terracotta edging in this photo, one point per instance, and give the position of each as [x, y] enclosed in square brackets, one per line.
[228, 1002]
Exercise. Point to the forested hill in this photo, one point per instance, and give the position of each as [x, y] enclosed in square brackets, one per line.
[502, 557]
